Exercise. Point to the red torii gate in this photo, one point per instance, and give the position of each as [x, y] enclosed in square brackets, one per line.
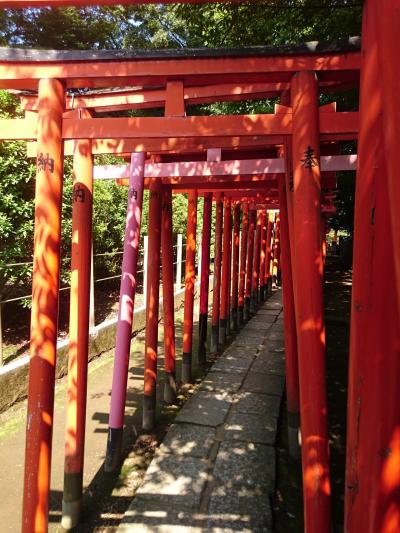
[305, 128]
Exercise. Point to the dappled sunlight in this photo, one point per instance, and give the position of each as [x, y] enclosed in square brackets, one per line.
[390, 475]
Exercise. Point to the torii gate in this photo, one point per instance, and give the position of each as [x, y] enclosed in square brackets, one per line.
[372, 477]
[57, 71]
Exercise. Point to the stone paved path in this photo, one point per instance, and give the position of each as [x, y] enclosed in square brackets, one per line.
[215, 470]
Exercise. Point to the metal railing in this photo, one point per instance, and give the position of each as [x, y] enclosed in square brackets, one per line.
[178, 265]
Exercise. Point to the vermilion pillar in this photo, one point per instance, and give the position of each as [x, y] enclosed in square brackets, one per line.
[152, 305]
[263, 254]
[217, 272]
[387, 17]
[250, 259]
[125, 313]
[189, 287]
[235, 265]
[277, 252]
[45, 295]
[323, 237]
[309, 302]
[289, 317]
[205, 277]
[224, 310]
[267, 277]
[256, 264]
[167, 247]
[372, 501]
[82, 203]
[243, 258]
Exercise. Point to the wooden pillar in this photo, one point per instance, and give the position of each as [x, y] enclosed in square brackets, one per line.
[189, 287]
[81, 261]
[309, 302]
[243, 258]
[263, 254]
[229, 288]
[152, 305]
[217, 272]
[267, 277]
[372, 500]
[224, 309]
[45, 297]
[323, 238]
[256, 264]
[125, 313]
[235, 265]
[289, 317]
[205, 277]
[249, 270]
[167, 247]
[277, 252]
[387, 16]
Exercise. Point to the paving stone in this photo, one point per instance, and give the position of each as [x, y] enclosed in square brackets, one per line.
[188, 440]
[253, 331]
[155, 517]
[245, 465]
[240, 352]
[258, 404]
[264, 383]
[268, 364]
[205, 408]
[249, 342]
[259, 429]
[239, 510]
[262, 322]
[222, 381]
[174, 480]
[231, 364]
[268, 312]
[275, 336]
[274, 347]
[256, 328]
[271, 304]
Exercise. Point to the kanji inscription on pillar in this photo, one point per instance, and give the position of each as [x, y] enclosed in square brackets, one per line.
[310, 160]
[45, 163]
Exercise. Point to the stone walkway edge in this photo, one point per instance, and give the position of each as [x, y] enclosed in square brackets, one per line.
[215, 469]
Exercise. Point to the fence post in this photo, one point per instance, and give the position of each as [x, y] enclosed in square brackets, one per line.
[199, 251]
[92, 319]
[1, 338]
[179, 262]
[145, 255]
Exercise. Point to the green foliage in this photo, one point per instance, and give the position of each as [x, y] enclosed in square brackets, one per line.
[148, 26]
[16, 203]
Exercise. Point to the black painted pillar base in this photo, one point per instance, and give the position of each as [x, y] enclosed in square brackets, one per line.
[253, 303]
[246, 310]
[234, 319]
[72, 500]
[149, 412]
[202, 352]
[294, 435]
[240, 320]
[186, 367]
[214, 339]
[114, 449]
[222, 331]
[170, 388]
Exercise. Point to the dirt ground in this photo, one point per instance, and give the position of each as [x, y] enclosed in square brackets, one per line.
[288, 499]
[106, 495]
[16, 319]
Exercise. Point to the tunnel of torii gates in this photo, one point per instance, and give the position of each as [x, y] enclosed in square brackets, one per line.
[251, 166]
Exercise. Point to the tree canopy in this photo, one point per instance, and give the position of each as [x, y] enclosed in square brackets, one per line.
[146, 26]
